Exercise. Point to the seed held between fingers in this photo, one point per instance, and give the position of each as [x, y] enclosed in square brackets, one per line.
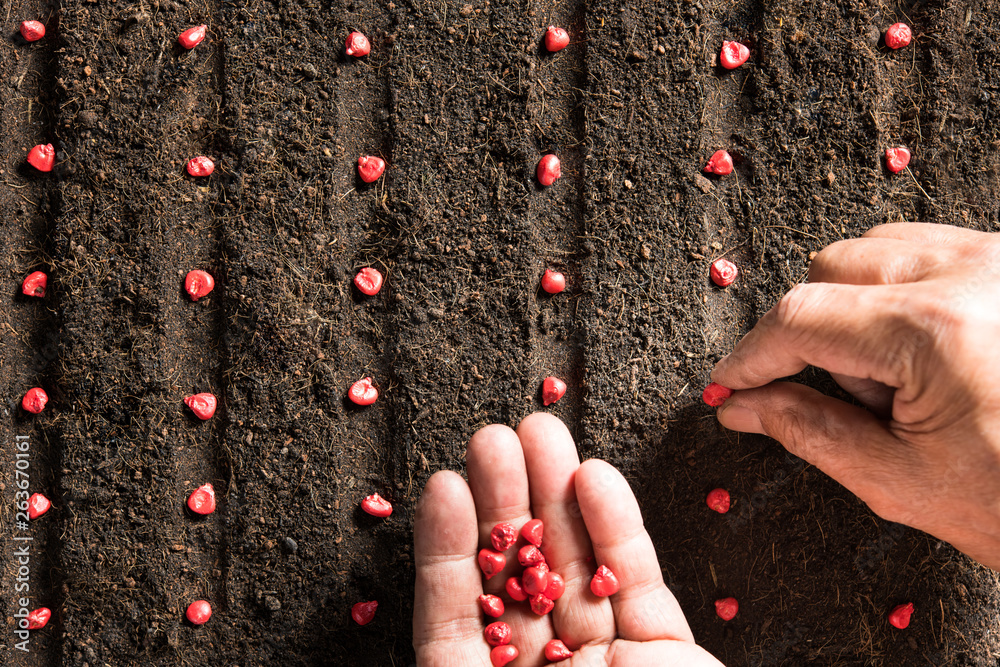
[733, 54]
[497, 633]
[200, 166]
[727, 608]
[198, 283]
[604, 583]
[715, 394]
[203, 405]
[39, 618]
[556, 650]
[376, 505]
[34, 400]
[198, 612]
[35, 283]
[899, 617]
[357, 45]
[38, 505]
[491, 605]
[491, 562]
[192, 37]
[718, 500]
[202, 500]
[32, 31]
[503, 536]
[42, 157]
[549, 170]
[363, 392]
[364, 612]
[501, 655]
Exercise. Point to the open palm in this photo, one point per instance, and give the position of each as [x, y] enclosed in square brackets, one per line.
[591, 517]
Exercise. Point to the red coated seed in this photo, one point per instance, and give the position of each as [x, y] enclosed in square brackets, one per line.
[198, 612]
[34, 401]
[718, 500]
[503, 536]
[733, 54]
[370, 168]
[715, 394]
[192, 37]
[532, 531]
[723, 272]
[38, 505]
[202, 500]
[604, 583]
[39, 618]
[556, 650]
[32, 31]
[548, 170]
[553, 282]
[529, 555]
[42, 157]
[200, 166]
[364, 612]
[376, 505]
[556, 586]
[720, 164]
[896, 159]
[363, 392]
[198, 283]
[556, 39]
[491, 605]
[202, 405]
[898, 35]
[541, 605]
[534, 580]
[899, 617]
[726, 608]
[515, 590]
[501, 655]
[357, 45]
[368, 281]
[552, 390]
[35, 283]
[491, 562]
[497, 633]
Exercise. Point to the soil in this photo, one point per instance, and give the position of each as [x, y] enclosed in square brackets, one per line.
[461, 100]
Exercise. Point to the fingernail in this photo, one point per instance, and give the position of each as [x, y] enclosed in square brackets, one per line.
[739, 418]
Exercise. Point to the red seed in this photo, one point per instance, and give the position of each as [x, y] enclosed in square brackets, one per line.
[541, 605]
[552, 390]
[202, 405]
[553, 282]
[35, 283]
[39, 618]
[718, 500]
[200, 166]
[604, 583]
[364, 612]
[733, 54]
[202, 500]
[32, 31]
[503, 536]
[726, 608]
[198, 283]
[497, 633]
[192, 37]
[368, 281]
[515, 590]
[715, 394]
[492, 605]
[370, 168]
[532, 531]
[556, 650]
[899, 617]
[42, 157]
[556, 39]
[501, 655]
[376, 505]
[548, 169]
[534, 580]
[363, 392]
[556, 586]
[38, 505]
[34, 401]
[491, 562]
[723, 272]
[198, 612]
[898, 35]
[896, 159]
[357, 46]
[721, 163]
[529, 555]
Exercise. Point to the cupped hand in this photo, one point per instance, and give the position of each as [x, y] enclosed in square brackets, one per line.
[590, 516]
[907, 319]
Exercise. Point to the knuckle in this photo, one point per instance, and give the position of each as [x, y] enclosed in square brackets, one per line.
[797, 307]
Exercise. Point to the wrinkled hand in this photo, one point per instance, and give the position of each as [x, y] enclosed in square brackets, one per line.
[907, 319]
[590, 518]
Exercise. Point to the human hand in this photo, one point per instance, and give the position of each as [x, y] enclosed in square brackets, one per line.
[907, 319]
[588, 510]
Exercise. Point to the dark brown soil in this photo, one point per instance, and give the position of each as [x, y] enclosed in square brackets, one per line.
[461, 101]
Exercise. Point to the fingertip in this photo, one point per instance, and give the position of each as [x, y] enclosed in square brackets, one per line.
[737, 417]
[543, 423]
[445, 521]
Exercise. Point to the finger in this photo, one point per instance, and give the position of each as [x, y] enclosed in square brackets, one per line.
[665, 652]
[552, 462]
[847, 329]
[873, 395]
[925, 233]
[644, 609]
[446, 621]
[873, 261]
[846, 442]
